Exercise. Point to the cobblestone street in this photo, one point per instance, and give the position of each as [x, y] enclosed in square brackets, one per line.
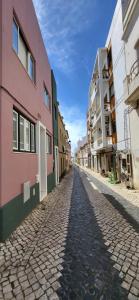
[77, 244]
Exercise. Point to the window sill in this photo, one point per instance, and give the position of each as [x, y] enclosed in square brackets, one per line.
[27, 152]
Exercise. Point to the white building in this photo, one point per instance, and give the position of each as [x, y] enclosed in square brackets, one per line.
[131, 78]
[119, 72]
[100, 130]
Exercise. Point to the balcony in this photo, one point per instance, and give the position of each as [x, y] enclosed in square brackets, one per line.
[131, 85]
[107, 108]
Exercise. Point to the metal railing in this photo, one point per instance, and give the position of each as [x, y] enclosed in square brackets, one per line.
[134, 72]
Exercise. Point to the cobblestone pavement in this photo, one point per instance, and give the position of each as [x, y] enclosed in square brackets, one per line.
[75, 245]
[128, 198]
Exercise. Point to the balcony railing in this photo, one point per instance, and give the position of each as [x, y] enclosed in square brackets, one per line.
[134, 70]
[131, 84]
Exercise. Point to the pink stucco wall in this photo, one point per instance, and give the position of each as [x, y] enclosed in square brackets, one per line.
[17, 168]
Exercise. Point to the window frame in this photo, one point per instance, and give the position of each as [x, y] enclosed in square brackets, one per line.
[49, 104]
[16, 148]
[48, 146]
[29, 53]
[26, 120]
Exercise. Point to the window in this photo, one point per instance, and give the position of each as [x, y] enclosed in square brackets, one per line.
[113, 126]
[22, 52]
[46, 98]
[21, 49]
[15, 130]
[25, 140]
[15, 37]
[27, 135]
[31, 70]
[48, 144]
[112, 90]
[22, 133]
[32, 138]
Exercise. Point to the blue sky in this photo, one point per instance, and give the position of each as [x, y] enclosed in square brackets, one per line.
[72, 31]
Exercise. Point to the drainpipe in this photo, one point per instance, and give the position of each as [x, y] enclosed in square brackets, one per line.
[129, 123]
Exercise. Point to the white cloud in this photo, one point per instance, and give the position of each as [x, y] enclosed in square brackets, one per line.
[75, 123]
[61, 22]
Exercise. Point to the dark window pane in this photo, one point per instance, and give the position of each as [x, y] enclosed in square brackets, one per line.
[22, 142]
[46, 98]
[32, 138]
[31, 68]
[15, 37]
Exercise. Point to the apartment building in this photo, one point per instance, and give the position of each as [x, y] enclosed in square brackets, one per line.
[26, 131]
[100, 116]
[130, 12]
[108, 116]
[82, 155]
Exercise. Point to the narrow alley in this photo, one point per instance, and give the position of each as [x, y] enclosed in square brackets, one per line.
[75, 245]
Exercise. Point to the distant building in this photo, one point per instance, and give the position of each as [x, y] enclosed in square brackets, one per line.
[54, 180]
[63, 147]
[101, 121]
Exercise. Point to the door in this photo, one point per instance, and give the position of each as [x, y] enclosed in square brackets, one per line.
[56, 165]
[42, 161]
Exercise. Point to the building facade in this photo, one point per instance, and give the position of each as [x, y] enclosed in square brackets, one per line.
[55, 179]
[121, 114]
[111, 123]
[130, 10]
[63, 142]
[101, 117]
[68, 152]
[26, 130]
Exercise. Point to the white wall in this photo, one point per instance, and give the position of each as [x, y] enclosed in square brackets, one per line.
[132, 36]
[119, 73]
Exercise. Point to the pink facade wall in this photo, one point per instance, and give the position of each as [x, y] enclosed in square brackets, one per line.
[17, 168]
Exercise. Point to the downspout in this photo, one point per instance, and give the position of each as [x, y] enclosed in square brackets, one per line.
[0, 101]
[129, 123]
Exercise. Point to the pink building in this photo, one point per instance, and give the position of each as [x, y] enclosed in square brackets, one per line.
[26, 133]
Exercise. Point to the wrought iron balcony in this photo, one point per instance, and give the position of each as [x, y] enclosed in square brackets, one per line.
[131, 84]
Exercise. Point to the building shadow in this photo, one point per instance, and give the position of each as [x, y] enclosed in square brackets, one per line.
[88, 271]
[122, 211]
[128, 209]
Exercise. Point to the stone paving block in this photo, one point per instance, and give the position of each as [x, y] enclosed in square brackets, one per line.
[30, 297]
[126, 285]
[49, 291]
[132, 297]
[7, 288]
[39, 293]
[134, 291]
[132, 273]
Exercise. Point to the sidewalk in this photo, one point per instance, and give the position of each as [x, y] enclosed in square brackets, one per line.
[129, 199]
